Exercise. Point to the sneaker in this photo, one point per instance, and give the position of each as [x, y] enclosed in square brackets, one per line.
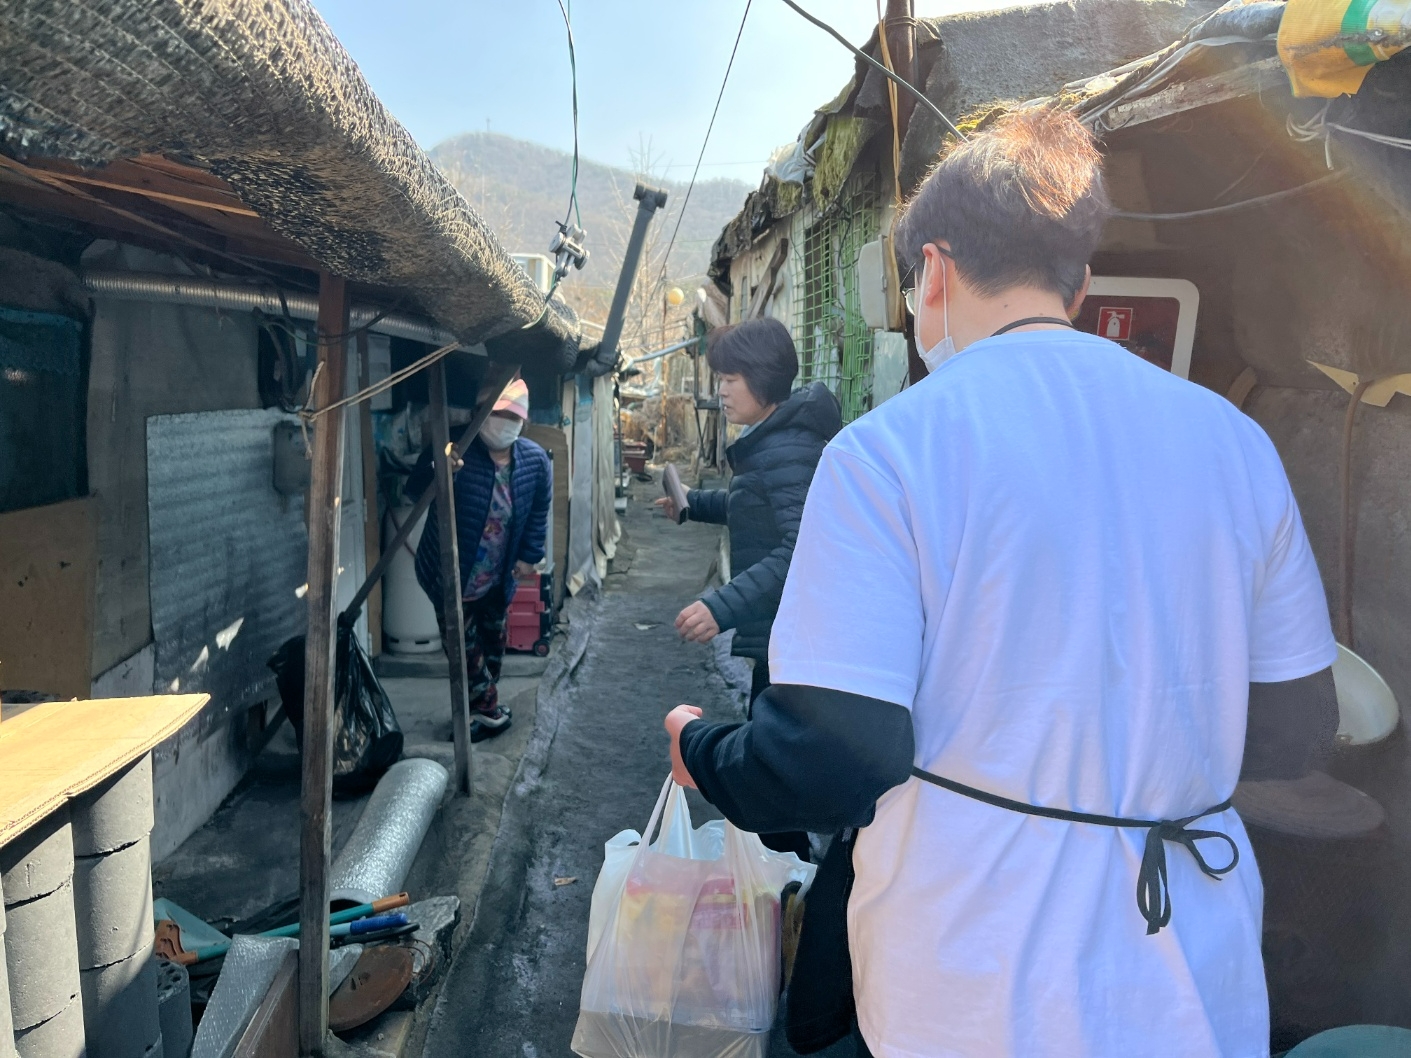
[488, 725]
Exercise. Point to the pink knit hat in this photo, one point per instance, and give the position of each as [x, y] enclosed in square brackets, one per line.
[515, 399]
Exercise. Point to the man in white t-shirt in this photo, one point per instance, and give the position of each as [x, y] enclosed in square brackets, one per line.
[1038, 602]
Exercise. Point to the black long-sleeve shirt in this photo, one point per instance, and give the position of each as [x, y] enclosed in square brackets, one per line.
[818, 760]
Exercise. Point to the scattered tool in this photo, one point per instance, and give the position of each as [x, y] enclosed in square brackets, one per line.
[379, 978]
[169, 947]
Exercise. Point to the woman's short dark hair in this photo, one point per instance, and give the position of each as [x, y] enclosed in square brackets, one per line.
[1021, 204]
[759, 351]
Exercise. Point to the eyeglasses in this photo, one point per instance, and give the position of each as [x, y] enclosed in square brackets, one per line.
[909, 294]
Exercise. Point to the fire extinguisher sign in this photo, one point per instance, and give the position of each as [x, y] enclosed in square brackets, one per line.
[1114, 323]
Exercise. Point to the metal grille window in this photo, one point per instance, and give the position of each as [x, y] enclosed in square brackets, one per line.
[834, 342]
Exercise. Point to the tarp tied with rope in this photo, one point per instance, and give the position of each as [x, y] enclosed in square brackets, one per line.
[263, 96]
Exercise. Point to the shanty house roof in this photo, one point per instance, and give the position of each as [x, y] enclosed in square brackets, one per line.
[262, 96]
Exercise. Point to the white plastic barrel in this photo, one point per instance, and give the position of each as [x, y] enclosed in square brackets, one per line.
[408, 618]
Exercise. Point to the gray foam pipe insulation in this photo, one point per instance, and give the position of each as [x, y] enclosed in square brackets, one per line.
[379, 853]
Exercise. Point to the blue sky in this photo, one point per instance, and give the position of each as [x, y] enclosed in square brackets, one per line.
[648, 72]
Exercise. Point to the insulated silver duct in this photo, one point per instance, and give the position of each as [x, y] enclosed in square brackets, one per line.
[379, 853]
[240, 297]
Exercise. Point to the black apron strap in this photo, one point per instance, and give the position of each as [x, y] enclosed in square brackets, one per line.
[1153, 888]
[1032, 319]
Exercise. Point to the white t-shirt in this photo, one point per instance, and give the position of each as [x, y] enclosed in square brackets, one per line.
[1069, 565]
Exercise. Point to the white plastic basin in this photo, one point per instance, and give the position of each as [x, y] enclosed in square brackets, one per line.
[1367, 710]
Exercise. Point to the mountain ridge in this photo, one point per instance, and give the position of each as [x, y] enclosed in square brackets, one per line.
[521, 189]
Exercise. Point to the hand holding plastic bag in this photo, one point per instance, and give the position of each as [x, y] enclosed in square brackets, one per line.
[683, 941]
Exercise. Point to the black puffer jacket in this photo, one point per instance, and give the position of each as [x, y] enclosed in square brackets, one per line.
[773, 465]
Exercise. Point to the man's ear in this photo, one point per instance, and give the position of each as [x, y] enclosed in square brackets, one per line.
[1076, 305]
[934, 265]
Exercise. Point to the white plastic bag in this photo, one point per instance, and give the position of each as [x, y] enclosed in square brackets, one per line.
[683, 941]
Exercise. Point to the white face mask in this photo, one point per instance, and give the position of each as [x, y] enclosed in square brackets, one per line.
[943, 350]
[499, 433]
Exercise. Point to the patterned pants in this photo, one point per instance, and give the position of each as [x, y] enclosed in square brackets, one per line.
[486, 619]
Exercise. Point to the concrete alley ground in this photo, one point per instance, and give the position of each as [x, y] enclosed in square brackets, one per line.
[594, 767]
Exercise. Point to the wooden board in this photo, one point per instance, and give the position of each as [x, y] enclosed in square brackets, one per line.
[273, 1031]
[59, 750]
[48, 563]
[555, 442]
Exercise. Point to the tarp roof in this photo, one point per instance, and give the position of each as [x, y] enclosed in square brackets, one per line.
[966, 62]
[263, 96]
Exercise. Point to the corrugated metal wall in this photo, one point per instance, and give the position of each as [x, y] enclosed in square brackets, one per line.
[228, 554]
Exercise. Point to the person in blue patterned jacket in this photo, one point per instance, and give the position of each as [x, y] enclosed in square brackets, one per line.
[502, 491]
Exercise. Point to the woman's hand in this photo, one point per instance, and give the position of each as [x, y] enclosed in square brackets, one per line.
[676, 720]
[523, 570]
[696, 624]
[668, 507]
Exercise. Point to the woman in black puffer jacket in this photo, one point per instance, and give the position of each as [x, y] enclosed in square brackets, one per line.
[773, 463]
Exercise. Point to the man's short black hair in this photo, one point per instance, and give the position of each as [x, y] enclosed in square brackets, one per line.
[1021, 204]
[761, 352]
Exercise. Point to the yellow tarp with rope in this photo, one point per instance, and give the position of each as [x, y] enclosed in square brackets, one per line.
[1328, 46]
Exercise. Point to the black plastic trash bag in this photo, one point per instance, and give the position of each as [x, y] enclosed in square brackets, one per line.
[367, 739]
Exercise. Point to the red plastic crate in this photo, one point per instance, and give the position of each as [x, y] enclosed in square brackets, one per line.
[527, 627]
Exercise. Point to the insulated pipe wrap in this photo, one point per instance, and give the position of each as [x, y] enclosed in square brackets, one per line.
[379, 853]
[237, 297]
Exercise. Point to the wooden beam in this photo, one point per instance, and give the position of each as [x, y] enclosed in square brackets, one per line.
[1201, 92]
[453, 617]
[273, 1030]
[316, 794]
[372, 525]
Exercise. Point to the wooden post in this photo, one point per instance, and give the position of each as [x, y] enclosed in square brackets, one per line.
[453, 615]
[316, 794]
[372, 524]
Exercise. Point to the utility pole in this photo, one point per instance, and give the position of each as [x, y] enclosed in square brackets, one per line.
[901, 44]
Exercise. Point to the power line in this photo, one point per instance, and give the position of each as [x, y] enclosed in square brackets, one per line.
[572, 213]
[900, 81]
[701, 157]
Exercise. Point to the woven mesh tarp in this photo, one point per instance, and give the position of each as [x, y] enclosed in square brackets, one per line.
[264, 96]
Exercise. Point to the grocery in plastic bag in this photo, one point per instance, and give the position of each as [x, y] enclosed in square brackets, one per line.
[683, 941]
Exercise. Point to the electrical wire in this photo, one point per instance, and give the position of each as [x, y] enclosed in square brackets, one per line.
[666, 258]
[1230, 207]
[897, 79]
[572, 212]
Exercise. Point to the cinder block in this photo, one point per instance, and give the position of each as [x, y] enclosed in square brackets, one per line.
[120, 1007]
[59, 1037]
[113, 904]
[116, 813]
[41, 955]
[38, 861]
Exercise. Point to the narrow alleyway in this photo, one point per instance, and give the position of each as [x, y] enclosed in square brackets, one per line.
[594, 767]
